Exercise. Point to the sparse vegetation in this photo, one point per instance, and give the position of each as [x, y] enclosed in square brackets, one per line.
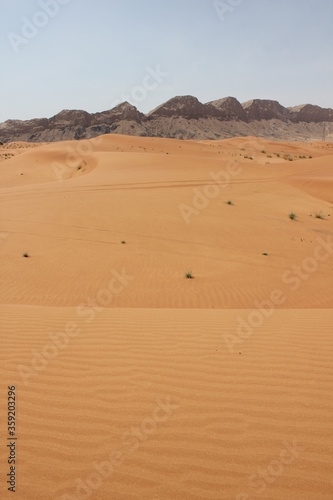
[26, 255]
[292, 216]
[189, 275]
[319, 215]
[265, 253]
[7, 156]
[263, 152]
[229, 202]
[288, 157]
[123, 242]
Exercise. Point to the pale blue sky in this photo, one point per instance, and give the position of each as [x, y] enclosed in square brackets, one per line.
[92, 52]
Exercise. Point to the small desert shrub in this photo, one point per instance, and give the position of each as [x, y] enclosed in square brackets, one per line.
[265, 253]
[229, 202]
[123, 242]
[26, 255]
[319, 215]
[269, 156]
[263, 152]
[189, 275]
[292, 216]
[310, 157]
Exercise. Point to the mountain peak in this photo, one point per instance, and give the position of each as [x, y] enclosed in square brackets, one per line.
[187, 106]
[265, 109]
[230, 108]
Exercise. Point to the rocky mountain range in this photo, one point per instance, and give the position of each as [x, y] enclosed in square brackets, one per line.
[182, 117]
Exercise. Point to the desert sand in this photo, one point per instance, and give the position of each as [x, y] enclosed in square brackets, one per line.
[133, 382]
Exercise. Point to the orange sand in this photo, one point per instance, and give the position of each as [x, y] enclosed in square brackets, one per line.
[198, 387]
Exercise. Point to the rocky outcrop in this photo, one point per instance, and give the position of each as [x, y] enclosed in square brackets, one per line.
[229, 109]
[310, 113]
[182, 117]
[70, 118]
[188, 107]
[264, 109]
[13, 128]
[69, 124]
[123, 111]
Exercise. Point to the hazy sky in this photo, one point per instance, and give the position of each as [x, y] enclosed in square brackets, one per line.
[89, 54]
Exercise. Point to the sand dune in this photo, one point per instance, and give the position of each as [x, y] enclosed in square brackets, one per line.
[133, 382]
[131, 190]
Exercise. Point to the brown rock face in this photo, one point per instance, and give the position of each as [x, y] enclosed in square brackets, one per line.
[123, 111]
[70, 118]
[188, 107]
[15, 128]
[264, 109]
[230, 109]
[310, 113]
